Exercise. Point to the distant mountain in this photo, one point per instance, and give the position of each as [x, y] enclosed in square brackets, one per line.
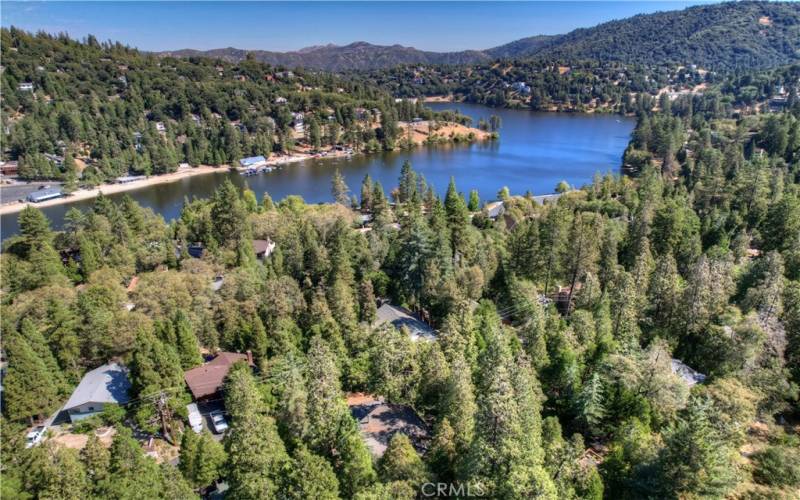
[722, 36]
[355, 56]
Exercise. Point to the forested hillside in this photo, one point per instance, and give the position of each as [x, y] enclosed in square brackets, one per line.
[636, 338]
[726, 36]
[119, 111]
[354, 56]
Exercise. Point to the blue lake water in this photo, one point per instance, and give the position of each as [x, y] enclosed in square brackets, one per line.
[535, 152]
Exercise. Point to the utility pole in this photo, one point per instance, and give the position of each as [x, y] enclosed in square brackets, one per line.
[166, 416]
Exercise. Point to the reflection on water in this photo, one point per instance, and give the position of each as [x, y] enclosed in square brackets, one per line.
[535, 152]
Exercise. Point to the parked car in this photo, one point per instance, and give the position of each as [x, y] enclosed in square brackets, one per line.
[35, 436]
[218, 421]
[195, 419]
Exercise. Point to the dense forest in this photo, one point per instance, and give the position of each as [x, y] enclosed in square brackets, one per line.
[542, 85]
[722, 37]
[558, 328]
[585, 86]
[727, 36]
[96, 111]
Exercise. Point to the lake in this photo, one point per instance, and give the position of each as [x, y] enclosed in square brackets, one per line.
[535, 151]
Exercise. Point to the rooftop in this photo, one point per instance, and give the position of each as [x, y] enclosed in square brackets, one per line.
[687, 373]
[207, 379]
[252, 160]
[400, 317]
[106, 384]
[379, 421]
[495, 209]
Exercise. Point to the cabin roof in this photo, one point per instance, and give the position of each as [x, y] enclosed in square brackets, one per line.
[400, 317]
[207, 379]
[105, 384]
[380, 421]
[687, 373]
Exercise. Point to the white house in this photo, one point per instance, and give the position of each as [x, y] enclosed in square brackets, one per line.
[25, 87]
[253, 162]
[104, 385]
[161, 127]
[297, 120]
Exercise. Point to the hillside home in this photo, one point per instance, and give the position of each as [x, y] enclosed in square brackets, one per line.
[298, 122]
[379, 421]
[263, 248]
[205, 381]
[107, 384]
[400, 317]
[25, 87]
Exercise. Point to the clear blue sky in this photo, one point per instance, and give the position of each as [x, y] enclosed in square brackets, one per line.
[281, 26]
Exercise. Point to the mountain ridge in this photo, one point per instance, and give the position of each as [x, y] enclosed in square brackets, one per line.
[729, 35]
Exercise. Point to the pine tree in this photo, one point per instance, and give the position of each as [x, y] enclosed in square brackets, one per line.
[366, 302]
[310, 476]
[325, 404]
[696, 461]
[201, 459]
[474, 201]
[766, 296]
[442, 455]
[70, 174]
[228, 214]
[34, 227]
[366, 194]
[354, 468]
[132, 474]
[590, 404]
[400, 462]
[407, 189]
[29, 388]
[339, 189]
[62, 475]
[457, 219]
[97, 460]
[186, 342]
[242, 397]
[458, 402]
[256, 457]
[663, 292]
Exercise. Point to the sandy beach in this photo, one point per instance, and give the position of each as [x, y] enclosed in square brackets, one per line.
[85, 194]
[438, 98]
[420, 133]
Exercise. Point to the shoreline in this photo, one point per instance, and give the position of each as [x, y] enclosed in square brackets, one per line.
[107, 189]
[88, 194]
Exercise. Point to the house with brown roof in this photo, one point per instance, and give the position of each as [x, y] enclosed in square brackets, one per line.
[263, 248]
[206, 381]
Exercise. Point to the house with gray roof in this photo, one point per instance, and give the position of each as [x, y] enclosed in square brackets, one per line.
[688, 374]
[379, 421]
[400, 317]
[495, 209]
[107, 384]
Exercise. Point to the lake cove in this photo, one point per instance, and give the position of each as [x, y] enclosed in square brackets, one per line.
[535, 151]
